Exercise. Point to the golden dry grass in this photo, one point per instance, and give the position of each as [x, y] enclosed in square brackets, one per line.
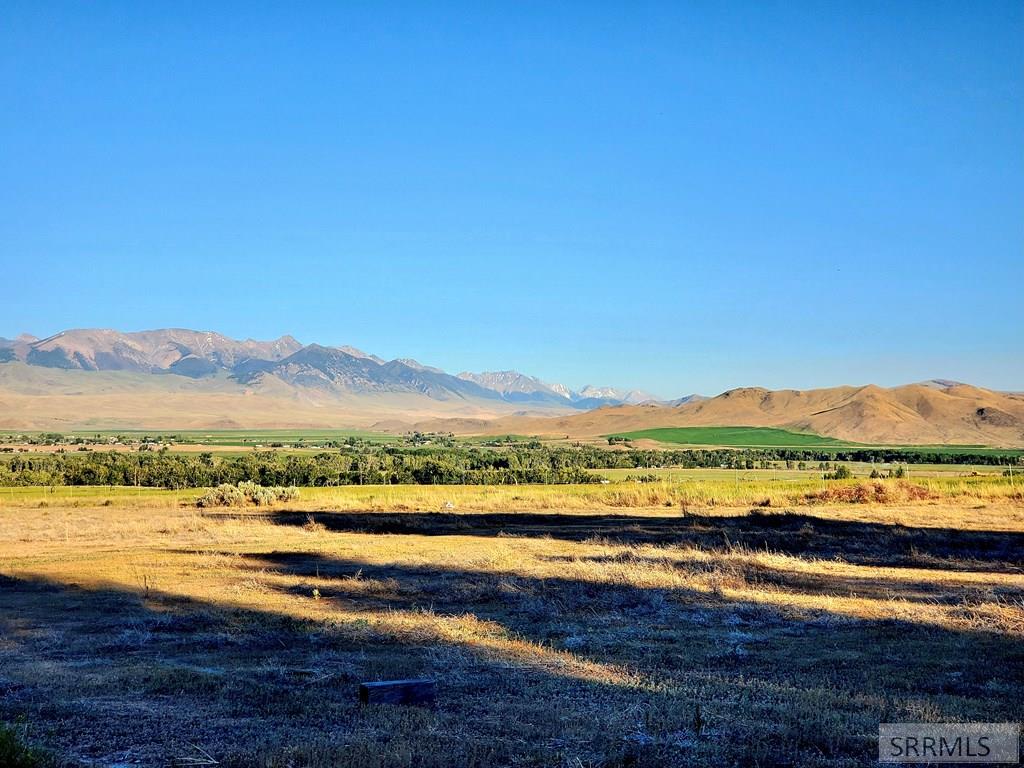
[700, 494]
[601, 635]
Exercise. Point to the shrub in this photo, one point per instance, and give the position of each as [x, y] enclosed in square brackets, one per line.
[650, 477]
[913, 492]
[15, 753]
[248, 488]
[224, 495]
[871, 493]
[261, 497]
[246, 492]
[842, 473]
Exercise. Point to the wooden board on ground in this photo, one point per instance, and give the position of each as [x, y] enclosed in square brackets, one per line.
[421, 691]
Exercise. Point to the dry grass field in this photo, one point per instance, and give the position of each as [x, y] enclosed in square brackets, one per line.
[564, 627]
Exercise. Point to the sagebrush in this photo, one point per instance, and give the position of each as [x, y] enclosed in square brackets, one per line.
[246, 492]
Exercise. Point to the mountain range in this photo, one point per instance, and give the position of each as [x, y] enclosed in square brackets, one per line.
[518, 387]
[184, 379]
[207, 362]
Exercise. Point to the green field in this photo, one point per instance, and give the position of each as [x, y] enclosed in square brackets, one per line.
[771, 437]
[737, 437]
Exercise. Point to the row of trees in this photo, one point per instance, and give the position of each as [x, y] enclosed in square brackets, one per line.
[393, 465]
[370, 467]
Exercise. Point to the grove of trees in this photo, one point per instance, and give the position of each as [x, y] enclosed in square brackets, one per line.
[366, 465]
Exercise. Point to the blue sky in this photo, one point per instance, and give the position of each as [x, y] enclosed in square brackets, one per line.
[674, 196]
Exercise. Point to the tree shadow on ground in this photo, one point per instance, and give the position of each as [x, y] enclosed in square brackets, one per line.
[790, 533]
[114, 675]
[858, 581]
[148, 674]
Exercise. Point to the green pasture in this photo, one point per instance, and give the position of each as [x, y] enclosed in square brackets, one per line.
[737, 437]
[771, 437]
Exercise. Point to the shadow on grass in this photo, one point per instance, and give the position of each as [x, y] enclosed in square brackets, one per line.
[149, 674]
[790, 533]
[116, 675]
[527, 602]
[861, 581]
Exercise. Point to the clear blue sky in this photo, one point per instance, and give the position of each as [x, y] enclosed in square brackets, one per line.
[675, 196]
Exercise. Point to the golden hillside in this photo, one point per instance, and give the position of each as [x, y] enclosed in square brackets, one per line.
[911, 414]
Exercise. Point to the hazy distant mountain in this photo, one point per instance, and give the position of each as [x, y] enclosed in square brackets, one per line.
[334, 370]
[15, 349]
[615, 395]
[413, 364]
[686, 399]
[318, 367]
[561, 389]
[282, 367]
[172, 350]
[518, 387]
[941, 383]
[508, 381]
[359, 353]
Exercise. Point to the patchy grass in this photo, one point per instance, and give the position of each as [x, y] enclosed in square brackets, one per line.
[601, 636]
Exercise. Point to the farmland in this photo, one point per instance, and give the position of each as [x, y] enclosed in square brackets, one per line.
[769, 437]
[737, 437]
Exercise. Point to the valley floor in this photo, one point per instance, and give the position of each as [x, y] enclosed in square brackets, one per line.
[164, 634]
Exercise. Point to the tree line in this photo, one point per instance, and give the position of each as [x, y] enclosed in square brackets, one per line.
[376, 465]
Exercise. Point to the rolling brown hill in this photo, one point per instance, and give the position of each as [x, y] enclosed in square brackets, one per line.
[921, 414]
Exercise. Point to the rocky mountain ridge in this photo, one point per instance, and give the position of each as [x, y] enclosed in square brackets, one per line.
[252, 363]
